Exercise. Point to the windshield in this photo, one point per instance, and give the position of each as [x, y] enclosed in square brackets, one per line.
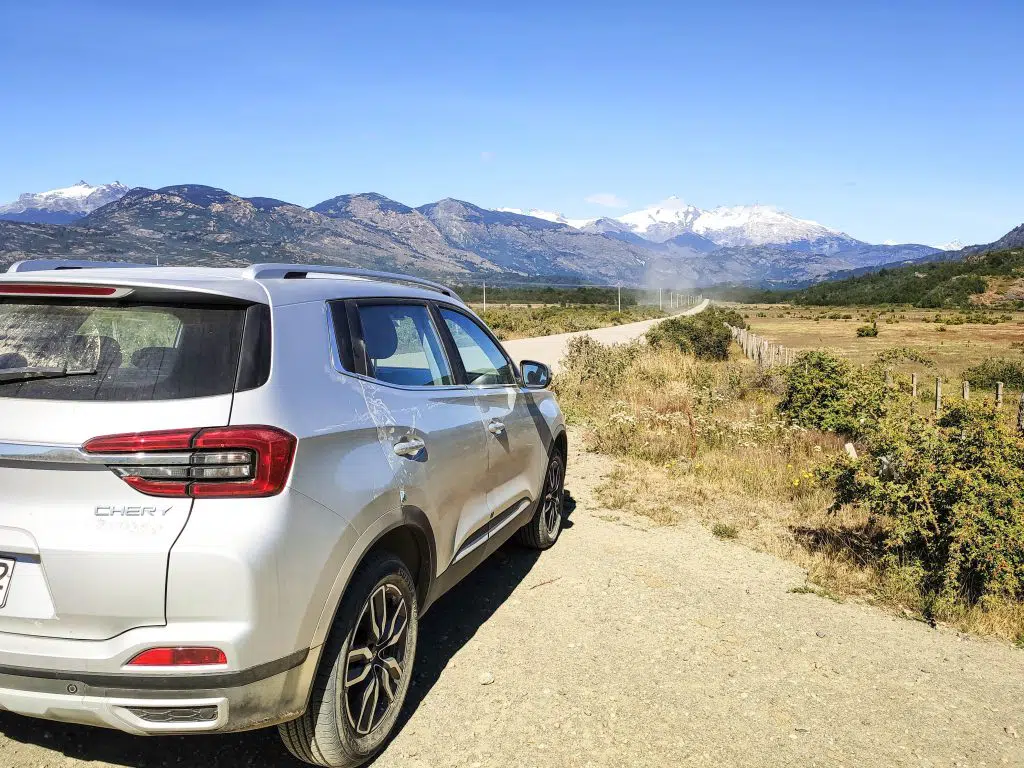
[69, 350]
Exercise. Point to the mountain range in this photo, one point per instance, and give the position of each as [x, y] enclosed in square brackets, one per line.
[671, 243]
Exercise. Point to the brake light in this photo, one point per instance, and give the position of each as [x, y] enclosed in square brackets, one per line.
[57, 290]
[179, 657]
[216, 462]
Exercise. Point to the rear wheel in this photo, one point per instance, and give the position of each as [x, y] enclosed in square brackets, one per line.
[545, 525]
[365, 670]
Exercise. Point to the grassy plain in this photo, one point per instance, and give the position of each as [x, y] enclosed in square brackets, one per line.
[952, 347]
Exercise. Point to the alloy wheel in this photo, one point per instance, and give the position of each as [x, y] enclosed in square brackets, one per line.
[376, 658]
[552, 509]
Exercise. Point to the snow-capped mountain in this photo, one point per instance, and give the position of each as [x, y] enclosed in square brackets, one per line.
[736, 226]
[554, 216]
[953, 245]
[663, 221]
[62, 206]
[743, 225]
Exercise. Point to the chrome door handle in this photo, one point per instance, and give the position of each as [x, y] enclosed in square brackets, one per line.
[495, 427]
[410, 446]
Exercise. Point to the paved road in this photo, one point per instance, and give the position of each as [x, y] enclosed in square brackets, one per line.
[551, 349]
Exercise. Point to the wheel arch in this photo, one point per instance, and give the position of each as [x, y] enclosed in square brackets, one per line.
[406, 533]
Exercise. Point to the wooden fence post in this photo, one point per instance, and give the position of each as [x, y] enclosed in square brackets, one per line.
[938, 394]
[999, 394]
[967, 390]
[913, 385]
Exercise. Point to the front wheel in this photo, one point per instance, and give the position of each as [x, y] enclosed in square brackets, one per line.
[365, 670]
[545, 525]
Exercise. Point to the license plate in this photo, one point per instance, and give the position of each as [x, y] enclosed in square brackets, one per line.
[6, 569]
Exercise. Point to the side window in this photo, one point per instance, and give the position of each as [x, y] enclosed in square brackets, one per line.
[483, 360]
[402, 345]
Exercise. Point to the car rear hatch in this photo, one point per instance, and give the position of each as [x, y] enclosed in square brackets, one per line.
[83, 552]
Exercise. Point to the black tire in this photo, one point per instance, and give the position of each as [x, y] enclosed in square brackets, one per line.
[545, 525]
[330, 733]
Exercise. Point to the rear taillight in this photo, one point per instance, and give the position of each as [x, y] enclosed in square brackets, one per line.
[217, 462]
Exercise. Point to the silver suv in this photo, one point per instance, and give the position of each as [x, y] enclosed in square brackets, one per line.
[229, 495]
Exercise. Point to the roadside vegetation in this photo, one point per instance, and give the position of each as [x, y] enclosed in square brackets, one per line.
[518, 322]
[928, 519]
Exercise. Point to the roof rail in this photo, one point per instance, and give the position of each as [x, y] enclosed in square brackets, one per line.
[291, 271]
[42, 265]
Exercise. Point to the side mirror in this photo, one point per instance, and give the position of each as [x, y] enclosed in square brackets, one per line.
[535, 375]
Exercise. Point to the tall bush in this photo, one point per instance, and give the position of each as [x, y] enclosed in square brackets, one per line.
[951, 491]
[703, 335]
[823, 391]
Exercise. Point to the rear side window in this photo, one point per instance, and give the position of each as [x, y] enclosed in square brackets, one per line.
[402, 345]
[71, 350]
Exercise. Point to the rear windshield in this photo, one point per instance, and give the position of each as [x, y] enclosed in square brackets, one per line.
[72, 350]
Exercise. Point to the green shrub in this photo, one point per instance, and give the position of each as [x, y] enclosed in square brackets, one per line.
[988, 372]
[868, 330]
[704, 335]
[826, 392]
[951, 492]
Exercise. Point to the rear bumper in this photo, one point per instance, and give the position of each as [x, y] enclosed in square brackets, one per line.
[169, 704]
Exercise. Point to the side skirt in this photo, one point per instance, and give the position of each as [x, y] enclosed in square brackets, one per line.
[508, 522]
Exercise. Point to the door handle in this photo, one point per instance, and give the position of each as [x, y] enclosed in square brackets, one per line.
[495, 427]
[409, 446]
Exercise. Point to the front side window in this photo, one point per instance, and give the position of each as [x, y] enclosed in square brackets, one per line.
[483, 360]
[402, 346]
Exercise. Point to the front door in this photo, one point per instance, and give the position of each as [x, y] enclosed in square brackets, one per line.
[516, 450]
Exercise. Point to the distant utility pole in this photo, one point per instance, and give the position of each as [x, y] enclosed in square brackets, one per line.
[485, 295]
[620, 298]
[660, 307]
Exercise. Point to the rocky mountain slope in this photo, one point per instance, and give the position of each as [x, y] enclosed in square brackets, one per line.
[669, 244]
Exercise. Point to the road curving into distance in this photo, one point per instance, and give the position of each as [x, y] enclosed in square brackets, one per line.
[551, 349]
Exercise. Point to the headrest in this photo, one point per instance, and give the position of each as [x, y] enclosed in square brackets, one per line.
[103, 352]
[379, 332]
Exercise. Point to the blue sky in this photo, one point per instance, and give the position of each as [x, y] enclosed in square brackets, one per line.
[889, 123]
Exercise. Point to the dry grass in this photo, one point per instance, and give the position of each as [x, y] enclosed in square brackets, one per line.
[952, 349]
[520, 321]
[702, 441]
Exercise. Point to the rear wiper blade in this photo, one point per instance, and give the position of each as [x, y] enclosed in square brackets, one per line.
[35, 373]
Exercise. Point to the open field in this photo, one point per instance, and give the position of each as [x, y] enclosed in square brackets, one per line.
[952, 347]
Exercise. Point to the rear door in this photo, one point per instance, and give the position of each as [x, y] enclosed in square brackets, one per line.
[86, 553]
[516, 451]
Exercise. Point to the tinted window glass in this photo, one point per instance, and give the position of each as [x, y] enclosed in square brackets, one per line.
[483, 361]
[402, 345]
[77, 351]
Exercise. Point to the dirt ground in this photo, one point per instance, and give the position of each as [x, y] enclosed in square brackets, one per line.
[628, 644]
